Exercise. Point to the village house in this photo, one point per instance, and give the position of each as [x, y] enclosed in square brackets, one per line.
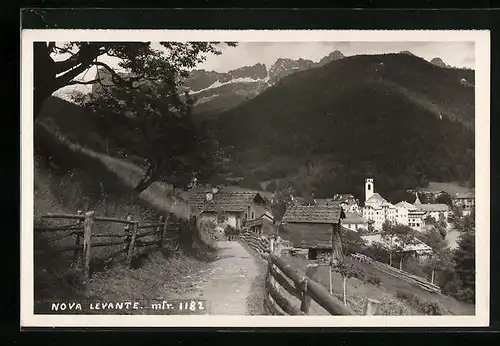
[262, 225]
[410, 215]
[465, 201]
[233, 207]
[354, 222]
[433, 210]
[377, 210]
[348, 202]
[311, 227]
[403, 209]
[416, 219]
[419, 250]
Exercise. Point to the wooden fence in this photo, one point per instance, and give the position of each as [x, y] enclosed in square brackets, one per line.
[400, 274]
[258, 243]
[405, 276]
[282, 277]
[84, 232]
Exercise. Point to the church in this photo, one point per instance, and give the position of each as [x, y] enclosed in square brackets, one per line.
[377, 210]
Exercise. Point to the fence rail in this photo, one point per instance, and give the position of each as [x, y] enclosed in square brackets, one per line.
[405, 276]
[282, 276]
[257, 243]
[289, 292]
[86, 238]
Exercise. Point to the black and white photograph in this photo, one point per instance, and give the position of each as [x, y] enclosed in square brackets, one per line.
[291, 178]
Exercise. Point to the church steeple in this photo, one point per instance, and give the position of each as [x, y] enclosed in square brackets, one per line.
[417, 200]
[369, 186]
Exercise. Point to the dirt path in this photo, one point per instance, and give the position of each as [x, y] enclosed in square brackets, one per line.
[226, 283]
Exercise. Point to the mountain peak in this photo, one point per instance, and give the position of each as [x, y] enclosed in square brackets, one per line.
[333, 56]
[438, 62]
[407, 52]
[285, 66]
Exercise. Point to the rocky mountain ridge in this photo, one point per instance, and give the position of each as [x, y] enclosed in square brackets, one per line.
[215, 92]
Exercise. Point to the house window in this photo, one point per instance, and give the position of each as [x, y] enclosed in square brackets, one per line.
[253, 215]
[246, 216]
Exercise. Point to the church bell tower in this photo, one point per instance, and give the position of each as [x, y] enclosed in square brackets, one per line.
[368, 188]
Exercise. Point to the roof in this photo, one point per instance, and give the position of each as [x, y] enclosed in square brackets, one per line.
[377, 238]
[337, 198]
[416, 211]
[406, 205]
[354, 218]
[267, 214]
[433, 207]
[465, 195]
[313, 214]
[376, 198]
[224, 200]
[344, 197]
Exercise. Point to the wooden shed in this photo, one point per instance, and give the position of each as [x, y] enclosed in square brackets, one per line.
[313, 227]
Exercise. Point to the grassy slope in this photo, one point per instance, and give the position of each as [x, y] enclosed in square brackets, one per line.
[385, 293]
[70, 178]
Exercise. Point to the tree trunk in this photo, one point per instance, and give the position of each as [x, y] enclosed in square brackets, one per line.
[337, 252]
[390, 258]
[331, 283]
[149, 177]
[401, 263]
[44, 76]
[432, 275]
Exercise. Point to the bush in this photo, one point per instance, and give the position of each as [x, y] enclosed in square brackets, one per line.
[465, 295]
[231, 231]
[412, 266]
[208, 228]
[374, 280]
[352, 242]
[430, 307]
[377, 252]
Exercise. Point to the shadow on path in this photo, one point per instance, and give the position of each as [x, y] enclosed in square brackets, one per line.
[226, 283]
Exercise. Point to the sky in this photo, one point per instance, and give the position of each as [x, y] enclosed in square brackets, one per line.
[458, 54]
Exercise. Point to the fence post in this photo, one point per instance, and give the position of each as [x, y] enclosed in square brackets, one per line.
[371, 306]
[311, 272]
[76, 253]
[270, 265]
[87, 235]
[131, 246]
[127, 233]
[162, 231]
